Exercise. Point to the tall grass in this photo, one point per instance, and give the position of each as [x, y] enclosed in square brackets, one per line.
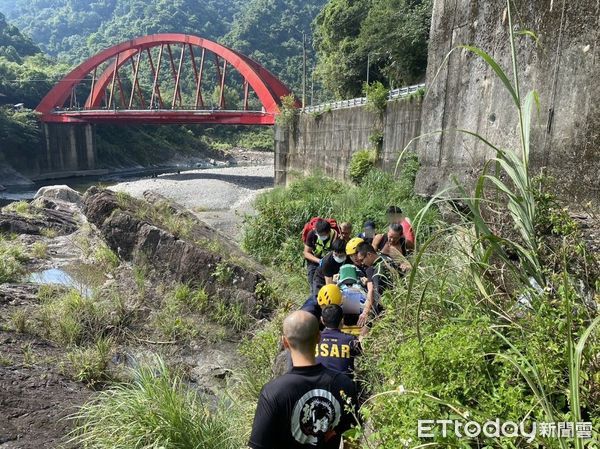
[12, 260]
[531, 360]
[157, 410]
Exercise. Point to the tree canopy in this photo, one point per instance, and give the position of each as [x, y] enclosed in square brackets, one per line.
[390, 36]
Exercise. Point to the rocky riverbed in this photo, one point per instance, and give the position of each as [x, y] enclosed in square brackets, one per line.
[152, 279]
[219, 197]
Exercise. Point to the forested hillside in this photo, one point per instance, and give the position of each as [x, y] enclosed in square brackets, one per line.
[341, 36]
[268, 30]
[74, 29]
[271, 32]
[25, 76]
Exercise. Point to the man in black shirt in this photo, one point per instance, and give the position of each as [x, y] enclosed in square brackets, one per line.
[380, 270]
[330, 265]
[305, 408]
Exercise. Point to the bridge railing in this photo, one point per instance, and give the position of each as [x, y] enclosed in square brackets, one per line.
[393, 94]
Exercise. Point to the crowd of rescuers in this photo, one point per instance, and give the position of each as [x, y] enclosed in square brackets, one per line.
[316, 401]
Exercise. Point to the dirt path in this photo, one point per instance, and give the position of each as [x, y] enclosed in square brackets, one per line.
[220, 197]
[35, 399]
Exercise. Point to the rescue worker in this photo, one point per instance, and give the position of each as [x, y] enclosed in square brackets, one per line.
[380, 270]
[328, 295]
[318, 243]
[309, 407]
[330, 266]
[336, 350]
[351, 250]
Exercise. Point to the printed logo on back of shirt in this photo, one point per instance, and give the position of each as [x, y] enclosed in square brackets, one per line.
[315, 413]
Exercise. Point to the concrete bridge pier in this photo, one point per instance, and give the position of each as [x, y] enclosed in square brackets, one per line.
[69, 147]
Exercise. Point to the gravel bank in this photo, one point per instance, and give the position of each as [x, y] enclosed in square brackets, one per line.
[218, 196]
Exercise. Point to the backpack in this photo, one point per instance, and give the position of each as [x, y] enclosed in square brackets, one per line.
[310, 226]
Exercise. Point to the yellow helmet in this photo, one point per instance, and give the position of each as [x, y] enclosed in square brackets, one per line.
[352, 245]
[329, 294]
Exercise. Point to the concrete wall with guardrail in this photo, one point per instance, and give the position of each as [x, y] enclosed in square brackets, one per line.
[325, 137]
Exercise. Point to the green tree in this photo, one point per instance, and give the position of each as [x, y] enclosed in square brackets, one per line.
[396, 34]
[270, 31]
[341, 65]
[388, 36]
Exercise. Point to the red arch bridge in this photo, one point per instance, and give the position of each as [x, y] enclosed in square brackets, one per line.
[166, 79]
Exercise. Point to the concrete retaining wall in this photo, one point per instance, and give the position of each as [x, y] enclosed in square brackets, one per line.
[327, 141]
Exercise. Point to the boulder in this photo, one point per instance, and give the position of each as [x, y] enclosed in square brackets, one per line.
[60, 192]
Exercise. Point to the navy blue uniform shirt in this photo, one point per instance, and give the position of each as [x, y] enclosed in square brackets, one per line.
[336, 350]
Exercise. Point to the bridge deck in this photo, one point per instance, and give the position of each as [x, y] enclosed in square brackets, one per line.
[160, 116]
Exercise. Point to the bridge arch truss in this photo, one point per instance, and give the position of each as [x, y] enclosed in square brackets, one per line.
[163, 78]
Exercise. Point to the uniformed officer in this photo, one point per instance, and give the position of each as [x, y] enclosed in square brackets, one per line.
[336, 350]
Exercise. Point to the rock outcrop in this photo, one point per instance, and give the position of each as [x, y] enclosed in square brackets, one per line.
[138, 240]
[46, 215]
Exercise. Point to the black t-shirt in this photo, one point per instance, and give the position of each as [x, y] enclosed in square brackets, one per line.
[380, 274]
[327, 268]
[336, 350]
[301, 409]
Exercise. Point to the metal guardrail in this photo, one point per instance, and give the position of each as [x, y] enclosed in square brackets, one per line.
[396, 93]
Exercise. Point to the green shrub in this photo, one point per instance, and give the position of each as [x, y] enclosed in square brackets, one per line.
[287, 113]
[260, 140]
[453, 364]
[74, 319]
[12, 260]
[174, 320]
[223, 273]
[18, 320]
[106, 258]
[90, 364]
[377, 97]
[156, 411]
[233, 316]
[22, 208]
[39, 250]
[361, 164]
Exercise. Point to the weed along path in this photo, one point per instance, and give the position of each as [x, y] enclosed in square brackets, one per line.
[220, 197]
[140, 278]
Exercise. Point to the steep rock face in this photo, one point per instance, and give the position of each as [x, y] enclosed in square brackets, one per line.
[464, 93]
[140, 241]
